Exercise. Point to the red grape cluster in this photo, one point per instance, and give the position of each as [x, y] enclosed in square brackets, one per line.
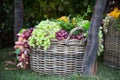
[26, 33]
[77, 36]
[22, 45]
[62, 34]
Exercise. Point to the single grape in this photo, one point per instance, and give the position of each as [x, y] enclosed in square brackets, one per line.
[65, 36]
[79, 36]
[72, 36]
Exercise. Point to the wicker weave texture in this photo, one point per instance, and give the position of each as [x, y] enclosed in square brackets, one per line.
[60, 59]
[112, 47]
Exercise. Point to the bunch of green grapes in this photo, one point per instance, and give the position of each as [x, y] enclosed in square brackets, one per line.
[106, 22]
[100, 45]
[43, 33]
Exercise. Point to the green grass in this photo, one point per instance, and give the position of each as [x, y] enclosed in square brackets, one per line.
[104, 72]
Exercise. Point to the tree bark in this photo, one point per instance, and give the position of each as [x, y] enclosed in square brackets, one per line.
[18, 16]
[92, 44]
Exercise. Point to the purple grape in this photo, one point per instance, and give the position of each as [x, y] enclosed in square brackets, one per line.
[59, 34]
[21, 60]
[26, 44]
[30, 30]
[19, 43]
[65, 36]
[20, 35]
[72, 36]
[27, 34]
[20, 54]
[62, 34]
[66, 33]
[79, 36]
[22, 51]
[59, 38]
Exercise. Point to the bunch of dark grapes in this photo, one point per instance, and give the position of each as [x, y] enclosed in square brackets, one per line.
[27, 33]
[77, 36]
[22, 45]
[62, 34]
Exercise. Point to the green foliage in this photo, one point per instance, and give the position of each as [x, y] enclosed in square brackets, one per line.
[17, 51]
[66, 25]
[85, 24]
[37, 10]
[43, 9]
[6, 22]
[23, 29]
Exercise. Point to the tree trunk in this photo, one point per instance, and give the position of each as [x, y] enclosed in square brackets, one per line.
[18, 16]
[92, 44]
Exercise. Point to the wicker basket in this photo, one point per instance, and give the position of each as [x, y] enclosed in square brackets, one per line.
[61, 58]
[112, 46]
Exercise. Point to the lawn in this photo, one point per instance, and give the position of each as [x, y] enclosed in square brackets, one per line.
[9, 73]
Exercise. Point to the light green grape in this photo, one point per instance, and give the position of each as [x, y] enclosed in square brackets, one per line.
[43, 33]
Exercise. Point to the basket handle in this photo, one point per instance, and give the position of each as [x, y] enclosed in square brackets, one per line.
[71, 32]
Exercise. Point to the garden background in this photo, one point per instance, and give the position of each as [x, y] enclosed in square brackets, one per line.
[34, 12]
